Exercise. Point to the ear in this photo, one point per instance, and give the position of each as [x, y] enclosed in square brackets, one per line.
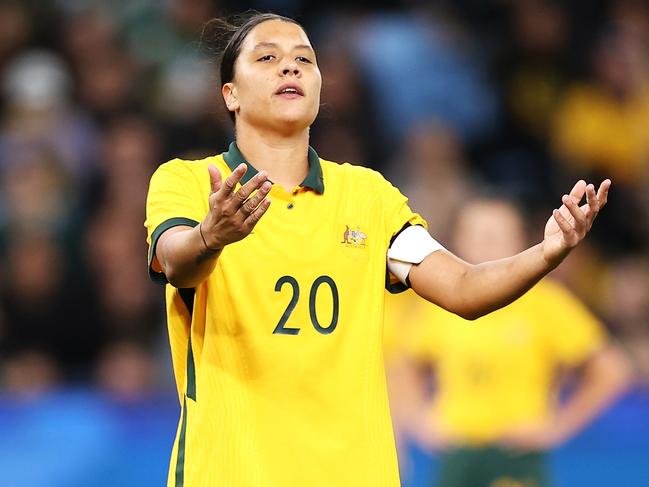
[229, 93]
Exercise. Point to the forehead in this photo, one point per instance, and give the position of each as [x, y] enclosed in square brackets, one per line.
[278, 32]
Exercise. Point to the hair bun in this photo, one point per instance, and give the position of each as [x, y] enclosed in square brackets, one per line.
[218, 32]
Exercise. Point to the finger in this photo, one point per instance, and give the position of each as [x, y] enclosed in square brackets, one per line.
[252, 203]
[215, 178]
[564, 225]
[592, 201]
[246, 190]
[256, 215]
[578, 190]
[231, 181]
[565, 212]
[581, 221]
[602, 192]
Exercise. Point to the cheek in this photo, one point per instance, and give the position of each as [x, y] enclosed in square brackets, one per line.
[253, 87]
[317, 90]
[248, 91]
[318, 85]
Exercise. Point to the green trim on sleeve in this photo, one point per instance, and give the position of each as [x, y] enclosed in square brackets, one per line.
[393, 288]
[159, 277]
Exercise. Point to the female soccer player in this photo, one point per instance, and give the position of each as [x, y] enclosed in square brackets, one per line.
[276, 262]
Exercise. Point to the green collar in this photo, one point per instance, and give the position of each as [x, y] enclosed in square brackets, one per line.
[314, 180]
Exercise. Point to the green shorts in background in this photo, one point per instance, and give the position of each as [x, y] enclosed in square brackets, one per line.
[491, 467]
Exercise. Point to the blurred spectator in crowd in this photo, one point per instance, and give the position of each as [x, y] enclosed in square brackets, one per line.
[106, 83]
[38, 111]
[15, 28]
[42, 291]
[535, 65]
[603, 126]
[346, 128]
[38, 193]
[49, 324]
[193, 118]
[431, 170]
[420, 66]
[602, 130]
[88, 32]
[29, 374]
[126, 371]
[493, 412]
[531, 68]
[156, 32]
[105, 73]
[128, 304]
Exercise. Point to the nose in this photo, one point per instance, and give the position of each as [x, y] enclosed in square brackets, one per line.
[290, 67]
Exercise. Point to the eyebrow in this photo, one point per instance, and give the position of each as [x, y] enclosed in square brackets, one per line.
[262, 45]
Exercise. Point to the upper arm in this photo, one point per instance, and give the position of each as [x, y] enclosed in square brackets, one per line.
[397, 216]
[437, 278]
[176, 198]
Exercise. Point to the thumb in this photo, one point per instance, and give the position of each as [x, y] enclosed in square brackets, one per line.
[215, 178]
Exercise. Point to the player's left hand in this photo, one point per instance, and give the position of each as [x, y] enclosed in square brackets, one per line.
[539, 437]
[569, 224]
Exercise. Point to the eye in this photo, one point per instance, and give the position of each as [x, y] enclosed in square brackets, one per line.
[266, 58]
[303, 59]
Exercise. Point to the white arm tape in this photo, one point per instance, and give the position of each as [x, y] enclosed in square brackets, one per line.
[410, 247]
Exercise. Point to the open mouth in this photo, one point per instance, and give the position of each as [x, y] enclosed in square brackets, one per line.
[290, 91]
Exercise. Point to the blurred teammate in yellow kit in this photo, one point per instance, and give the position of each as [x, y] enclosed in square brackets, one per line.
[494, 411]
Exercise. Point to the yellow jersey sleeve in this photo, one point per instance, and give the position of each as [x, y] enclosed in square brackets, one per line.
[176, 197]
[397, 215]
[574, 333]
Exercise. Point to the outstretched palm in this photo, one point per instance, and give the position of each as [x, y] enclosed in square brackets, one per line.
[569, 224]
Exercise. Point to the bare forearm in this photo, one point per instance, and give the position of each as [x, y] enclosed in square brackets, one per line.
[605, 377]
[188, 255]
[472, 291]
[184, 258]
[491, 285]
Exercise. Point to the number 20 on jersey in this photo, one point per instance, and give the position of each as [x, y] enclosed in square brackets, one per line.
[283, 329]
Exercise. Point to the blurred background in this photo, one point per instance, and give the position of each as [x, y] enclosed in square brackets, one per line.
[446, 98]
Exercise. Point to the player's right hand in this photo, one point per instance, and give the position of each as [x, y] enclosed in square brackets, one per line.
[233, 215]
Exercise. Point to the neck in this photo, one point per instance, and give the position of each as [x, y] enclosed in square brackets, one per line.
[284, 158]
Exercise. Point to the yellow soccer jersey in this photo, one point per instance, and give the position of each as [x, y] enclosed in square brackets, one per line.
[496, 372]
[277, 355]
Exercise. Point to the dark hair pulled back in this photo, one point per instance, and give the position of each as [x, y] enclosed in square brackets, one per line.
[223, 38]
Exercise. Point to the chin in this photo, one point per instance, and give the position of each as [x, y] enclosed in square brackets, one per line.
[296, 120]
